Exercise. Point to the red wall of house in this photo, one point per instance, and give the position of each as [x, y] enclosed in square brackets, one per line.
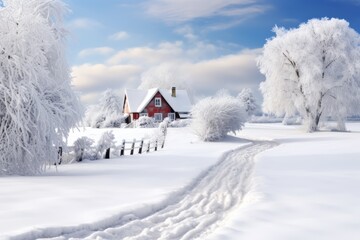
[164, 109]
[135, 116]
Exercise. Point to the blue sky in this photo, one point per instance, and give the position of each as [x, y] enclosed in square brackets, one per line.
[210, 44]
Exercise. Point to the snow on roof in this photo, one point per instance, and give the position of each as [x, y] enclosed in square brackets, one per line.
[180, 103]
[135, 98]
[139, 99]
[149, 95]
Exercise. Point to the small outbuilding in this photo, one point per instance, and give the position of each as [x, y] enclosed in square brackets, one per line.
[157, 103]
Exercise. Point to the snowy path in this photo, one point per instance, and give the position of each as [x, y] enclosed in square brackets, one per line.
[192, 213]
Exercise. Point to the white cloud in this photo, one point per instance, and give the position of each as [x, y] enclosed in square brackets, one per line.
[243, 11]
[119, 36]
[92, 79]
[95, 51]
[232, 72]
[187, 32]
[147, 56]
[204, 74]
[179, 11]
[83, 23]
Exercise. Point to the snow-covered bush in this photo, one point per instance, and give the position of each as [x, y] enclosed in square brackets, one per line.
[159, 133]
[215, 117]
[313, 70]
[164, 125]
[107, 140]
[83, 149]
[265, 118]
[37, 104]
[145, 122]
[107, 113]
[180, 123]
[292, 120]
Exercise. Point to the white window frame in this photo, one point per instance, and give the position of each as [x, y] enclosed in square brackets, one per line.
[157, 102]
[144, 115]
[173, 116]
[158, 117]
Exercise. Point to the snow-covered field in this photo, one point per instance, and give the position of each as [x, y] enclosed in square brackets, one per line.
[305, 188]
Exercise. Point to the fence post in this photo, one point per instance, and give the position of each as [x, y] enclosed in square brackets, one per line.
[148, 146]
[141, 146]
[163, 140]
[60, 152]
[132, 147]
[81, 155]
[165, 133]
[107, 153]
[122, 151]
[156, 143]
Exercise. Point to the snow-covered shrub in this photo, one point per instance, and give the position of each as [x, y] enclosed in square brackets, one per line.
[83, 149]
[164, 125]
[180, 123]
[37, 104]
[215, 117]
[165, 122]
[107, 140]
[293, 120]
[145, 122]
[107, 113]
[265, 119]
[159, 134]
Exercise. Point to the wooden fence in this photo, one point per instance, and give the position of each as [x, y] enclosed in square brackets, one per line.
[137, 146]
[126, 148]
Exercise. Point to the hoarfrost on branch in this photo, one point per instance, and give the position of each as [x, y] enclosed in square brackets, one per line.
[37, 104]
[312, 70]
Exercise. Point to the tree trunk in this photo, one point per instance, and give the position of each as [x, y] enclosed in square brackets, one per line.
[313, 122]
[314, 118]
[341, 124]
[317, 120]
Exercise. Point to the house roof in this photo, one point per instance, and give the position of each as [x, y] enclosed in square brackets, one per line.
[138, 99]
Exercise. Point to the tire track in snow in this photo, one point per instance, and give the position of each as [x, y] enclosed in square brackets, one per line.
[194, 212]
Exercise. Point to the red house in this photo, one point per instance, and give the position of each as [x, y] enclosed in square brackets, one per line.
[157, 103]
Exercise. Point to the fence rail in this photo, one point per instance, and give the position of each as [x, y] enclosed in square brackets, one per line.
[126, 148]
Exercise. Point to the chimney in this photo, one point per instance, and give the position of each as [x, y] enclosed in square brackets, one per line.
[173, 91]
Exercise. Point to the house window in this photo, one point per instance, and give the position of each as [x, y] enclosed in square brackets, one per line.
[171, 116]
[158, 117]
[157, 102]
[143, 115]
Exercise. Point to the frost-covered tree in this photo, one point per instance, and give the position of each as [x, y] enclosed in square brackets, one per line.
[215, 117]
[107, 113]
[37, 104]
[312, 70]
[246, 96]
[107, 140]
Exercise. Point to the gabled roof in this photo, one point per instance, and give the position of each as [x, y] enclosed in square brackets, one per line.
[139, 99]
